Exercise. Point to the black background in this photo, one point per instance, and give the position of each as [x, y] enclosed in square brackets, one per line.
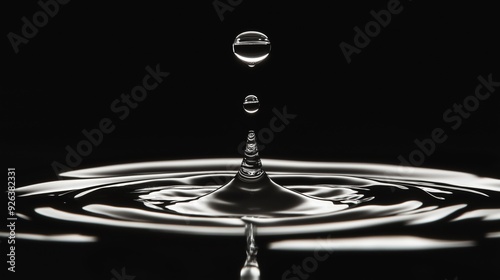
[395, 91]
[371, 110]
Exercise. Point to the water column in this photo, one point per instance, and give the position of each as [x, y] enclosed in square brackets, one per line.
[251, 48]
[250, 270]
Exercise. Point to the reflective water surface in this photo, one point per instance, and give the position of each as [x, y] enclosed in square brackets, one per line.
[341, 199]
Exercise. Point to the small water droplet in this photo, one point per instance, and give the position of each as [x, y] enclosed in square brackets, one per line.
[251, 47]
[251, 104]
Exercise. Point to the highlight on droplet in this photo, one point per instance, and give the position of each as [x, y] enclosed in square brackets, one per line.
[251, 47]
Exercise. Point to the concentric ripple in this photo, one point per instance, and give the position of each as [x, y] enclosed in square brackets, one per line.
[384, 199]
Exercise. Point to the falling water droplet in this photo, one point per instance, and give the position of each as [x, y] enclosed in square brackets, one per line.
[251, 104]
[251, 47]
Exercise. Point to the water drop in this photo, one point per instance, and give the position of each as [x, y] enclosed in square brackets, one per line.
[250, 273]
[251, 104]
[251, 47]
